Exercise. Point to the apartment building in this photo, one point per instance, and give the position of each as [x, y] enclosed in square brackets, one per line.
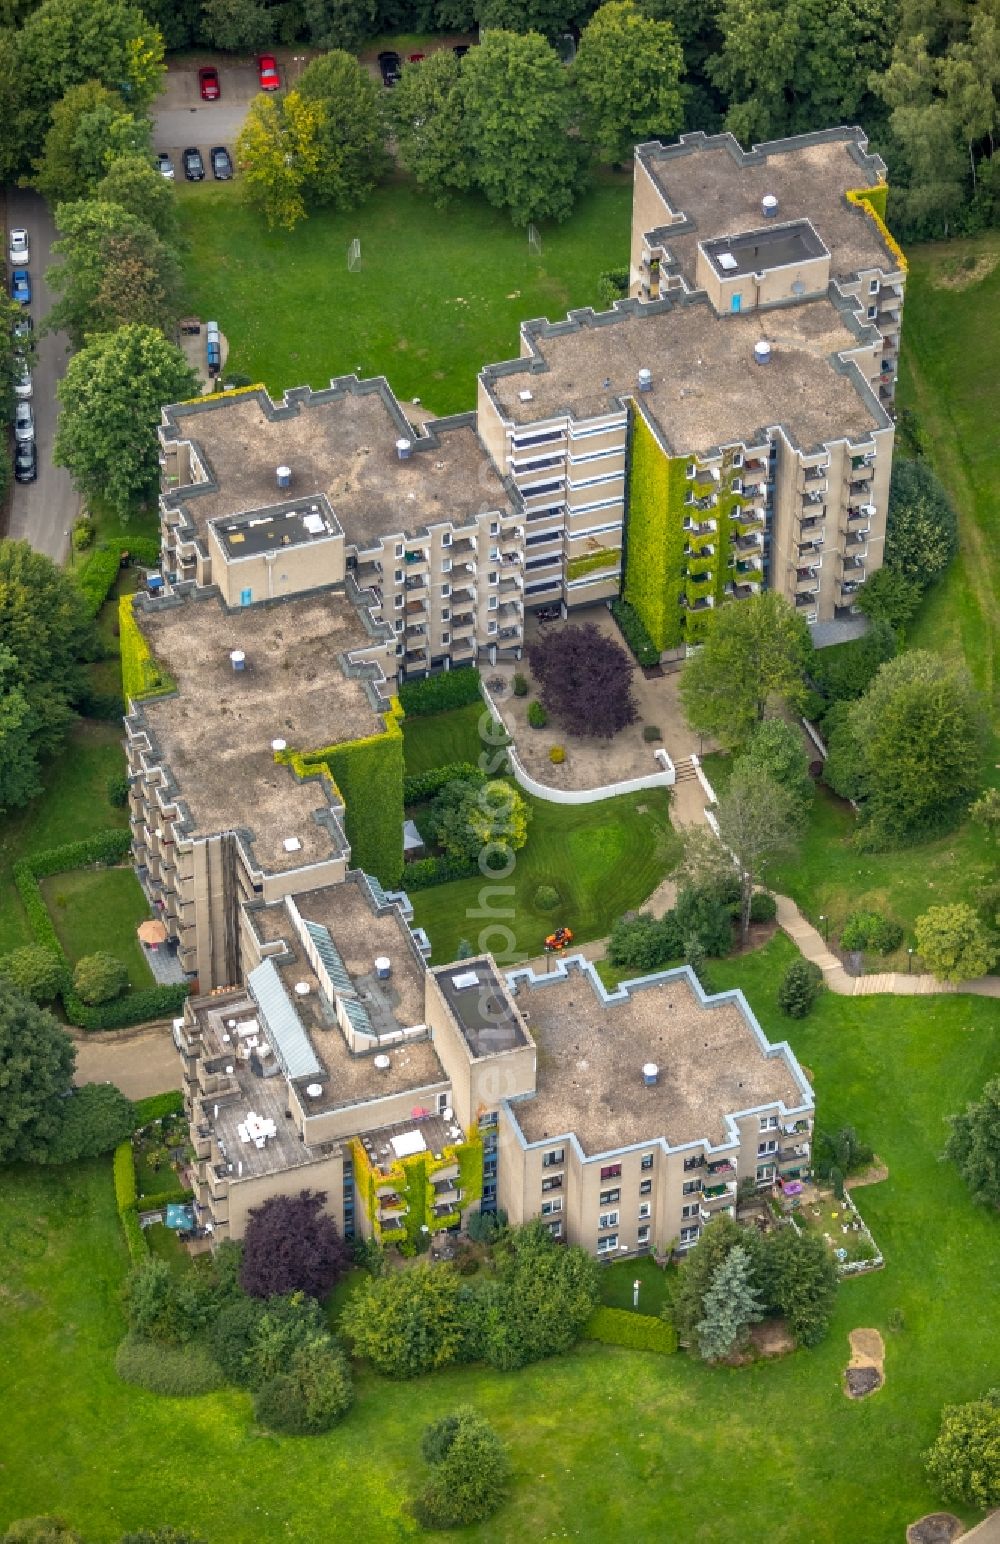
[264, 500]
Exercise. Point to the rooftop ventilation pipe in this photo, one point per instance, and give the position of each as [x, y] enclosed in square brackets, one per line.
[645, 380]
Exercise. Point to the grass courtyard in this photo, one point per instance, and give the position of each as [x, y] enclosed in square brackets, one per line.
[100, 909]
[435, 739]
[604, 1441]
[440, 293]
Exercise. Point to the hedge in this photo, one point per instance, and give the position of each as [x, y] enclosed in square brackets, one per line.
[135, 1239]
[636, 1331]
[421, 786]
[425, 873]
[157, 1107]
[438, 693]
[633, 630]
[177, 1196]
[149, 1002]
[106, 847]
[142, 676]
[124, 1173]
[96, 576]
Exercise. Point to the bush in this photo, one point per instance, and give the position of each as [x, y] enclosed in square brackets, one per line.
[311, 1395]
[519, 684]
[118, 790]
[35, 971]
[633, 630]
[83, 533]
[869, 930]
[99, 977]
[699, 914]
[96, 1118]
[537, 716]
[425, 873]
[636, 1331]
[421, 786]
[181, 1371]
[650, 733]
[233, 1335]
[763, 907]
[643, 943]
[470, 1472]
[407, 1322]
[157, 1107]
[486, 1227]
[799, 989]
[557, 755]
[438, 693]
[612, 285]
[546, 898]
[965, 1459]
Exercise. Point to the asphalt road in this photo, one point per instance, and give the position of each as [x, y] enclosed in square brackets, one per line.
[42, 512]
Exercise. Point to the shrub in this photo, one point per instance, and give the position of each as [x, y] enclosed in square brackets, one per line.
[700, 914]
[420, 786]
[612, 285]
[99, 977]
[83, 533]
[519, 684]
[424, 873]
[557, 755]
[537, 716]
[151, 1002]
[763, 907]
[650, 733]
[470, 1472]
[181, 1371]
[636, 1331]
[546, 898]
[311, 1395]
[799, 989]
[35, 971]
[643, 943]
[954, 943]
[118, 790]
[97, 576]
[438, 693]
[486, 1227]
[157, 1107]
[479, 822]
[407, 1322]
[633, 630]
[233, 1335]
[964, 1461]
[96, 1118]
[124, 1176]
[869, 930]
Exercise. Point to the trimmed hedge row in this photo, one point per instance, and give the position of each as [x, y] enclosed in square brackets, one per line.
[105, 847]
[437, 693]
[142, 676]
[157, 1107]
[96, 577]
[420, 786]
[635, 1331]
[126, 1201]
[177, 1196]
[633, 630]
[425, 873]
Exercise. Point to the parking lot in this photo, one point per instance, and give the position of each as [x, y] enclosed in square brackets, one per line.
[182, 120]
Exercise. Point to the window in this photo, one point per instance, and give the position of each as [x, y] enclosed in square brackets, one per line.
[765, 1171]
[445, 613]
[646, 1187]
[554, 1182]
[548, 1207]
[399, 624]
[399, 576]
[492, 604]
[643, 1236]
[737, 485]
[691, 1187]
[763, 1148]
[494, 577]
[398, 602]
[689, 470]
[443, 1102]
[609, 1197]
[873, 286]
[612, 1171]
[446, 539]
[494, 528]
[689, 1235]
[555, 1228]
[399, 552]
[691, 1211]
[491, 627]
[872, 313]
[737, 458]
[556, 1156]
[489, 1120]
[645, 1209]
[445, 638]
[694, 1163]
[769, 1123]
[608, 1220]
[446, 565]
[647, 1161]
[607, 1244]
[445, 591]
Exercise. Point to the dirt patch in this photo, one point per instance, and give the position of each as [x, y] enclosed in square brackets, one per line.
[769, 1338]
[760, 933]
[935, 1528]
[866, 1370]
[873, 1175]
[959, 278]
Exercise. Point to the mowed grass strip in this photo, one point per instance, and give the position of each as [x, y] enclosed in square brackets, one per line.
[437, 739]
[439, 293]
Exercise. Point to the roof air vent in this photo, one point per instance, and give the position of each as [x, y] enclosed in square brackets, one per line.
[762, 353]
[769, 206]
[314, 1090]
[302, 989]
[383, 967]
[382, 1062]
[645, 380]
[650, 1074]
[404, 449]
[237, 659]
[279, 745]
[291, 844]
[284, 476]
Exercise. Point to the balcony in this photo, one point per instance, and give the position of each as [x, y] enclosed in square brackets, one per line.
[750, 543]
[754, 472]
[804, 601]
[719, 1196]
[719, 1211]
[701, 527]
[416, 558]
[722, 1168]
[806, 581]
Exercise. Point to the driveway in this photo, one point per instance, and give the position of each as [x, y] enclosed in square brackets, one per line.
[42, 512]
[181, 119]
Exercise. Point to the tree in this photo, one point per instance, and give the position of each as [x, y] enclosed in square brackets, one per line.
[702, 917]
[292, 1245]
[351, 130]
[115, 270]
[847, 672]
[965, 1459]
[237, 26]
[698, 1269]
[311, 1394]
[954, 943]
[95, 1120]
[800, 986]
[428, 116]
[476, 821]
[801, 1282]
[755, 657]
[406, 1322]
[340, 23]
[100, 977]
[584, 679]
[277, 151]
[731, 1304]
[35, 972]
[470, 1472]
[759, 821]
[918, 734]
[921, 534]
[627, 72]
[974, 1145]
[640, 943]
[549, 17]
[543, 1296]
[134, 184]
[776, 749]
[111, 396]
[925, 135]
[889, 596]
[518, 108]
[45, 633]
[36, 1070]
[90, 127]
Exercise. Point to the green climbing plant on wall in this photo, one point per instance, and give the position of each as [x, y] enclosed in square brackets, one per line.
[654, 565]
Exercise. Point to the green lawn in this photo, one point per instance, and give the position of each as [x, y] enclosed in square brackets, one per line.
[435, 739]
[603, 859]
[74, 804]
[439, 294]
[100, 909]
[604, 1441]
[617, 1280]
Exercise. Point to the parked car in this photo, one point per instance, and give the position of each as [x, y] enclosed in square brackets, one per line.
[213, 348]
[24, 422]
[460, 50]
[194, 166]
[20, 286]
[208, 84]
[415, 58]
[22, 384]
[267, 73]
[390, 66]
[25, 461]
[18, 251]
[24, 326]
[222, 163]
[165, 166]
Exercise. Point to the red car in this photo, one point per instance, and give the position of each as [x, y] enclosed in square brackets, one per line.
[267, 73]
[208, 84]
[415, 58]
